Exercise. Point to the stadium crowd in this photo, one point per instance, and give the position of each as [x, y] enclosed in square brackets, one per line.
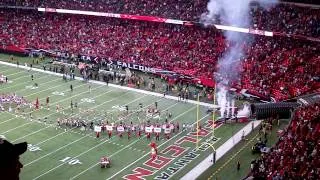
[295, 156]
[274, 67]
[284, 18]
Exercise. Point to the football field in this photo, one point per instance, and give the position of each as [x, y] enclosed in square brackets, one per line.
[61, 152]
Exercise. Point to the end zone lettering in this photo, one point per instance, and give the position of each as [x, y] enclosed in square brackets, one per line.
[138, 174]
[185, 160]
[173, 151]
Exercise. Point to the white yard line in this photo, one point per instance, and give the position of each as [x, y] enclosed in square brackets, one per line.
[72, 141]
[125, 168]
[69, 131]
[16, 128]
[18, 84]
[51, 113]
[5, 72]
[118, 86]
[36, 121]
[11, 73]
[53, 103]
[100, 145]
[43, 89]
[25, 165]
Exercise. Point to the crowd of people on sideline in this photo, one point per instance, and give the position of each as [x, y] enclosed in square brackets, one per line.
[287, 18]
[295, 156]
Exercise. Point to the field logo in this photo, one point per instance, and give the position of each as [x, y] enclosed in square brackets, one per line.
[57, 93]
[87, 100]
[33, 148]
[71, 161]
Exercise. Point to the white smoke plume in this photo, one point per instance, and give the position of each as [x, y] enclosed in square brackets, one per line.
[233, 13]
[222, 100]
[245, 112]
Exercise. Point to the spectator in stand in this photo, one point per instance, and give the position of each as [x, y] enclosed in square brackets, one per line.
[296, 153]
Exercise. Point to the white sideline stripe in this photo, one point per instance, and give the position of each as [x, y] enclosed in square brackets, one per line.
[95, 147]
[124, 168]
[135, 141]
[74, 128]
[117, 86]
[222, 150]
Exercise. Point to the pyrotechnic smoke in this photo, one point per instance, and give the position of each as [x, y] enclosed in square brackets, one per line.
[245, 112]
[233, 13]
[222, 100]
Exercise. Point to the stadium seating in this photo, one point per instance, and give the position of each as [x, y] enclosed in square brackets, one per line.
[283, 18]
[296, 154]
[273, 67]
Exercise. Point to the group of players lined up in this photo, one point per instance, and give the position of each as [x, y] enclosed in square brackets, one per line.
[150, 129]
[12, 100]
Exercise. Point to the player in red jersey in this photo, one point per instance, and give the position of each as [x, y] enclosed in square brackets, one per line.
[129, 134]
[105, 162]
[154, 150]
[148, 136]
[139, 133]
[109, 134]
[37, 103]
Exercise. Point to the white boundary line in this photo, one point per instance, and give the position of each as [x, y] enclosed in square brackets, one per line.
[116, 86]
[222, 150]
[99, 145]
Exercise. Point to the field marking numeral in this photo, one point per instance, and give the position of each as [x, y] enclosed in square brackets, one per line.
[33, 148]
[119, 108]
[87, 100]
[58, 93]
[71, 161]
[31, 87]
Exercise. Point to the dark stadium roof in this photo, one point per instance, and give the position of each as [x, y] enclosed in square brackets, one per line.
[304, 1]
